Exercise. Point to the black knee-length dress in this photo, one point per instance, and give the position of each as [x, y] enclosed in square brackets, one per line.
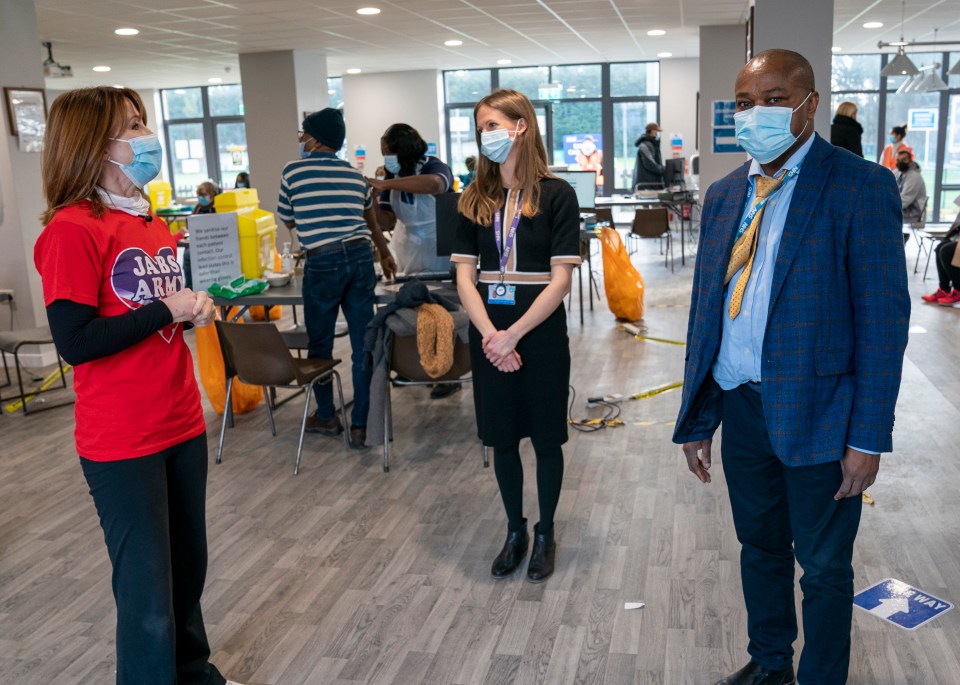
[531, 402]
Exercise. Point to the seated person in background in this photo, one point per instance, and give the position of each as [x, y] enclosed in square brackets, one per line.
[913, 191]
[243, 180]
[407, 195]
[206, 191]
[467, 178]
[948, 294]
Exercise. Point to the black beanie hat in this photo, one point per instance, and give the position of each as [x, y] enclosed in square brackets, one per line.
[326, 127]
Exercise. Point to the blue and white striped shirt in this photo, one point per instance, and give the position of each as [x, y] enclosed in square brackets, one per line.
[324, 197]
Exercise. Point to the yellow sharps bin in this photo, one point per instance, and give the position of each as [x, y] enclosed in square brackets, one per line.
[160, 193]
[257, 228]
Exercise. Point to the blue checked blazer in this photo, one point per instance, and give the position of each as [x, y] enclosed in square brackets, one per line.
[839, 311]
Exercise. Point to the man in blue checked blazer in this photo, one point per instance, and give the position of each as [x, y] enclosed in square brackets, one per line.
[798, 324]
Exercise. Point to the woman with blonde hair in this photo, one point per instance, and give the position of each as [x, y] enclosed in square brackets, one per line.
[522, 227]
[117, 307]
[846, 131]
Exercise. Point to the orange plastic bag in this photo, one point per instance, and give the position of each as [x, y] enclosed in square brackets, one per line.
[621, 281]
[257, 313]
[214, 380]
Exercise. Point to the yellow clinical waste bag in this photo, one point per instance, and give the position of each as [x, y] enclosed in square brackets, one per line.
[621, 281]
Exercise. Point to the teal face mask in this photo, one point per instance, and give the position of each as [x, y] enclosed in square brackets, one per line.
[147, 156]
[495, 145]
[391, 164]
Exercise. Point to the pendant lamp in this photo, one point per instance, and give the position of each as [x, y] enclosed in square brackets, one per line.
[900, 65]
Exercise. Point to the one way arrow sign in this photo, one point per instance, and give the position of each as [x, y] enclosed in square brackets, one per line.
[901, 604]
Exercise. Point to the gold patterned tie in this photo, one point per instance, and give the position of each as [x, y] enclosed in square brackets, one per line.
[745, 247]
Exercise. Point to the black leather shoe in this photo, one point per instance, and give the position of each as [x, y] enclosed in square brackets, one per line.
[542, 557]
[755, 674]
[513, 552]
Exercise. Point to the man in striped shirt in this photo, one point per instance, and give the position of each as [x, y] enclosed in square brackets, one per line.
[330, 206]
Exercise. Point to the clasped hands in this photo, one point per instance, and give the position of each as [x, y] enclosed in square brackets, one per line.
[188, 306]
[500, 349]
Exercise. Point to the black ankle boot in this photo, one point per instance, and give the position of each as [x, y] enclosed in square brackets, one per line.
[513, 552]
[543, 555]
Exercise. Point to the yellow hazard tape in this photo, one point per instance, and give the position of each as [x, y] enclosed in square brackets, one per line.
[659, 390]
[660, 340]
[612, 423]
[51, 378]
[867, 497]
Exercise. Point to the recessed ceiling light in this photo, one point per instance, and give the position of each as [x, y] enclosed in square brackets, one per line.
[353, 71]
[656, 32]
[368, 10]
[873, 25]
[102, 68]
[453, 43]
[664, 54]
[836, 48]
[504, 61]
[118, 85]
[127, 32]
[215, 79]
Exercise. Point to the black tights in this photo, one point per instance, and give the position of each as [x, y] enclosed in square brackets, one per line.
[509, 470]
[948, 273]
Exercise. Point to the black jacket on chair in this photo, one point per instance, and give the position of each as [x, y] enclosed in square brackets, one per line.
[846, 133]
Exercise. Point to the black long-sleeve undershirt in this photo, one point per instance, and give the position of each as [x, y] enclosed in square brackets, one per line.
[81, 336]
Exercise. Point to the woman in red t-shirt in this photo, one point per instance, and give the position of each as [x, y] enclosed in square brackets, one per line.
[117, 307]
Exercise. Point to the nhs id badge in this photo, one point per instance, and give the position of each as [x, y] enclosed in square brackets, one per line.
[501, 293]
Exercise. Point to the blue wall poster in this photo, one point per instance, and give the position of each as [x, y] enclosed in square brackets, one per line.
[723, 128]
[901, 604]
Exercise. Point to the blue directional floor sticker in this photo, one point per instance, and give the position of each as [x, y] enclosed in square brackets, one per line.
[901, 604]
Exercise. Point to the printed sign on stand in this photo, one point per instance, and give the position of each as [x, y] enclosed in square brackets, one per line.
[724, 129]
[214, 248]
[922, 119]
[901, 604]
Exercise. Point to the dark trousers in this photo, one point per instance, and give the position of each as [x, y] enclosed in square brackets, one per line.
[345, 279]
[780, 513]
[152, 511]
[949, 275]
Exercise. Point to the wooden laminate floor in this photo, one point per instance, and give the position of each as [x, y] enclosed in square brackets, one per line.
[346, 575]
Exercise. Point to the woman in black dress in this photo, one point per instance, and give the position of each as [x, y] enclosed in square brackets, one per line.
[523, 227]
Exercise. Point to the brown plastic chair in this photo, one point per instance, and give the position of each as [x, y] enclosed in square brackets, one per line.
[654, 223]
[257, 354]
[405, 362]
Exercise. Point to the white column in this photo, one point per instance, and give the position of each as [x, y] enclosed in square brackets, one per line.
[805, 27]
[722, 56]
[21, 190]
[278, 87]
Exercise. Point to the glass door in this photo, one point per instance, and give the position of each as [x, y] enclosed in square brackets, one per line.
[188, 153]
[950, 188]
[232, 152]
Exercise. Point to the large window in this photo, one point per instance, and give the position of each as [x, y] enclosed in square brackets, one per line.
[589, 114]
[935, 133]
[335, 91]
[206, 137]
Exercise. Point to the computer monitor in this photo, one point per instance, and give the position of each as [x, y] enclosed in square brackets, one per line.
[673, 171]
[447, 220]
[585, 183]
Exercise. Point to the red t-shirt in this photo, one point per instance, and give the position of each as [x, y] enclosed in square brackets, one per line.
[144, 399]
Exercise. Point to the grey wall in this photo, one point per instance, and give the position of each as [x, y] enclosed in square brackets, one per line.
[372, 102]
[805, 27]
[722, 54]
[21, 193]
[679, 82]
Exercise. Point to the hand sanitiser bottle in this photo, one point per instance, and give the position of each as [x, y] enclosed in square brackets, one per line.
[286, 260]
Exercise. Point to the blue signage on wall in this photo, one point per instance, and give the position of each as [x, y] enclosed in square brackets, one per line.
[724, 130]
[901, 604]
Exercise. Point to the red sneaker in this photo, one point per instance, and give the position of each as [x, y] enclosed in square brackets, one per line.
[951, 299]
[935, 296]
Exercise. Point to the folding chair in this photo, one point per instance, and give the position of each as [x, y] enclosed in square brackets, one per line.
[11, 342]
[257, 354]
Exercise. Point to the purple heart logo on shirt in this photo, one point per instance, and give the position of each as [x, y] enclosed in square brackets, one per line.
[139, 279]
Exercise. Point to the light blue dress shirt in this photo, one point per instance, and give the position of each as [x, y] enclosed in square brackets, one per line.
[741, 347]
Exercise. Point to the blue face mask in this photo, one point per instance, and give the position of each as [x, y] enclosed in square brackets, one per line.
[764, 132]
[893, 139]
[391, 164]
[204, 201]
[241, 185]
[303, 150]
[495, 145]
[147, 157]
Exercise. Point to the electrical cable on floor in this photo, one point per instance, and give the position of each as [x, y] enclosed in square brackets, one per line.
[610, 419]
